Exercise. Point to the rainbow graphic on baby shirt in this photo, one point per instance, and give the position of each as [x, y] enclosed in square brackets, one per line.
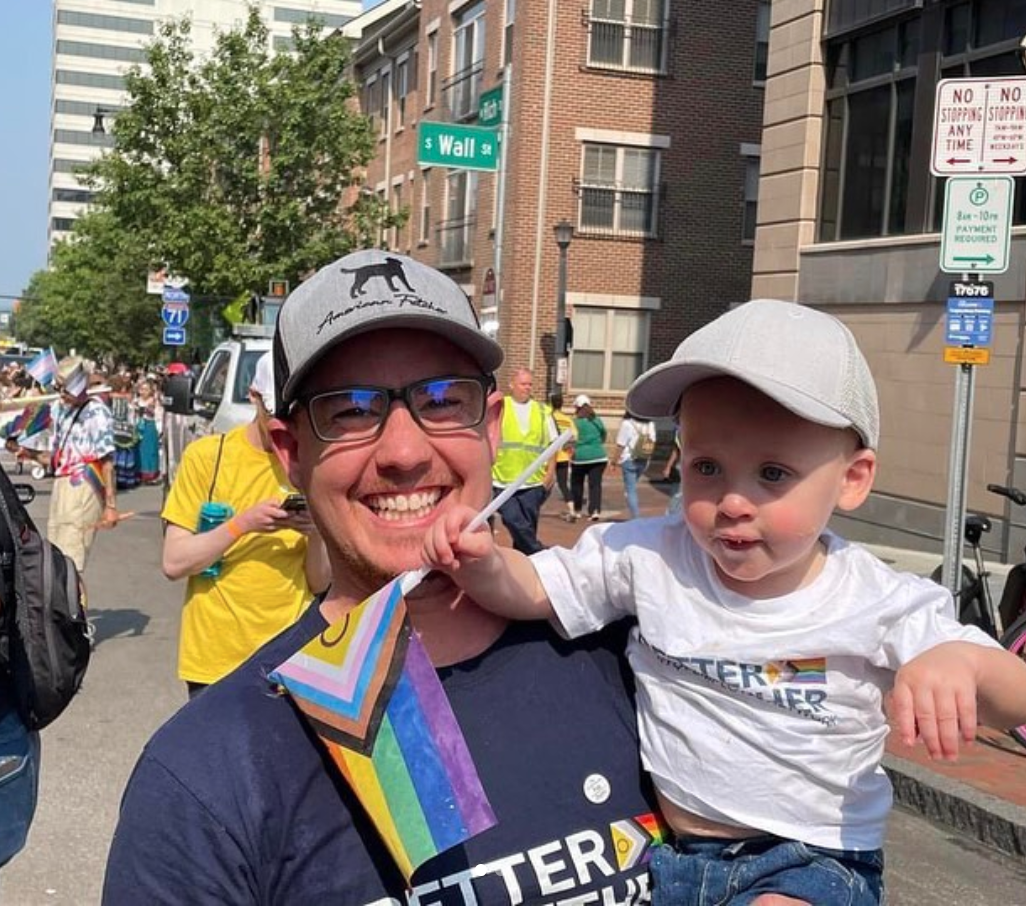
[372, 696]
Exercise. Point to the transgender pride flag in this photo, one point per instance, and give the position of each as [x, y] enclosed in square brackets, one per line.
[44, 367]
[371, 695]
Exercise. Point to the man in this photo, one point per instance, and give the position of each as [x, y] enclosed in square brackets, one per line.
[270, 561]
[84, 495]
[390, 417]
[527, 429]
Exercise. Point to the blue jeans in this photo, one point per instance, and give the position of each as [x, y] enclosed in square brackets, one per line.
[632, 471]
[520, 516]
[717, 872]
[19, 780]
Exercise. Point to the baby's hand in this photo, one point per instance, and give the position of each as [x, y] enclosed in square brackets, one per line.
[934, 697]
[448, 546]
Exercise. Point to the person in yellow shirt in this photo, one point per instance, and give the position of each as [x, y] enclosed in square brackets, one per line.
[250, 576]
[563, 422]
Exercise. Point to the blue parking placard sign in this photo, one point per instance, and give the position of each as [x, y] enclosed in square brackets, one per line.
[174, 336]
[175, 314]
[970, 322]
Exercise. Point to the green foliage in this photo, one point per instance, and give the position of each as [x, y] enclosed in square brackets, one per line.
[93, 299]
[233, 169]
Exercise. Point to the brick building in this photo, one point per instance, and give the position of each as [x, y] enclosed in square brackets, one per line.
[636, 121]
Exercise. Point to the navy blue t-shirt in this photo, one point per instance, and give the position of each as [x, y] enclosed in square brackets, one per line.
[234, 800]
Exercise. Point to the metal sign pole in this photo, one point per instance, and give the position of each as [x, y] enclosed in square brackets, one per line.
[958, 463]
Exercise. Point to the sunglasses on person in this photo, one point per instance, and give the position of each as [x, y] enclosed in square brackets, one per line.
[439, 405]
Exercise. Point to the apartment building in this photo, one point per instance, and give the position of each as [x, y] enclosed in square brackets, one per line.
[849, 219]
[95, 41]
[635, 123]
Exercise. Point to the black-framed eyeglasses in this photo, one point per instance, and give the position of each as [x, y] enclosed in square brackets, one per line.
[440, 405]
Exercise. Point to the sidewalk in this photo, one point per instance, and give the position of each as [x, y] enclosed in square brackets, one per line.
[982, 795]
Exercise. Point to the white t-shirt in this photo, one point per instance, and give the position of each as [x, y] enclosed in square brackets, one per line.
[630, 431]
[766, 714]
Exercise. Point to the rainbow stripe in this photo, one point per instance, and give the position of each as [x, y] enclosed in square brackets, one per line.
[809, 670]
[31, 420]
[371, 695]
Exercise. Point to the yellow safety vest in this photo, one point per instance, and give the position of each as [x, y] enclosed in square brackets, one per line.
[518, 450]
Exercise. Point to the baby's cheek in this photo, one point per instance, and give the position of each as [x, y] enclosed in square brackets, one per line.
[794, 522]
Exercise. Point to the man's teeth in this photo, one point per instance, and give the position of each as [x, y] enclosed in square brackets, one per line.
[405, 506]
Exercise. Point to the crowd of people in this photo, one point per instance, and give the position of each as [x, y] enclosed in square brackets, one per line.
[598, 689]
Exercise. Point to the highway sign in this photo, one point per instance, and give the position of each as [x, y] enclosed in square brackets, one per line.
[175, 314]
[979, 126]
[464, 147]
[976, 235]
[174, 294]
[489, 108]
[174, 336]
[970, 322]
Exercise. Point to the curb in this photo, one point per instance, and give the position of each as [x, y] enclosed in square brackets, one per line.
[987, 819]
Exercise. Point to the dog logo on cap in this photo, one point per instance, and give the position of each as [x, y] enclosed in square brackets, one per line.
[389, 270]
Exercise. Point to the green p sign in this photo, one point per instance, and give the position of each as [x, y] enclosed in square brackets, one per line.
[489, 110]
[450, 145]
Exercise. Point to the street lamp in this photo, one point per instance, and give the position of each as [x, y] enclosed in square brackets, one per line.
[98, 115]
[564, 231]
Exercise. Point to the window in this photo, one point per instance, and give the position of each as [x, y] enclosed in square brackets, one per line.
[619, 190]
[397, 208]
[107, 23]
[463, 88]
[750, 197]
[75, 196]
[301, 16]
[425, 208]
[62, 224]
[386, 102]
[402, 88]
[609, 348]
[75, 137]
[82, 108]
[63, 165]
[101, 51]
[628, 34]
[507, 35]
[456, 231]
[432, 69]
[371, 101]
[762, 36]
[90, 79]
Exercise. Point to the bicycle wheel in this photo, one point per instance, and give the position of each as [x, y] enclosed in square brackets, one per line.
[1015, 641]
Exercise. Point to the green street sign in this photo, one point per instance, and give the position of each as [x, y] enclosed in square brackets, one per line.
[450, 145]
[489, 109]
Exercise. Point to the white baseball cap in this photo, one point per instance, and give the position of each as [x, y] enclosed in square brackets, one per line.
[804, 359]
[263, 380]
[581, 400]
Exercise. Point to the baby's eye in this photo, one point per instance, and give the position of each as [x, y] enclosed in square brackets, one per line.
[705, 467]
[773, 473]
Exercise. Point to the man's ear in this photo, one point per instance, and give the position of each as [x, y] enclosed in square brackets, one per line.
[493, 421]
[858, 479]
[286, 447]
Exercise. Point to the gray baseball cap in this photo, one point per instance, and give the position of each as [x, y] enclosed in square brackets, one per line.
[806, 360]
[365, 291]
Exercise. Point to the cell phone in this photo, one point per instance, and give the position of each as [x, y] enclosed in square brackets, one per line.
[294, 503]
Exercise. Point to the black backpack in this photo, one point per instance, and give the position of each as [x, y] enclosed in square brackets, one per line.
[44, 634]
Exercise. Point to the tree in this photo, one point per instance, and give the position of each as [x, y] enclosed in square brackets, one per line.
[234, 170]
[93, 299]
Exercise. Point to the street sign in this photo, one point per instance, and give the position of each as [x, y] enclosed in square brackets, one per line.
[976, 235]
[278, 288]
[489, 108]
[970, 322]
[174, 294]
[979, 126]
[463, 147]
[174, 336]
[175, 314]
[966, 355]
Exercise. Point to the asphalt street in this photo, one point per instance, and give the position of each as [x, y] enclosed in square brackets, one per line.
[131, 689]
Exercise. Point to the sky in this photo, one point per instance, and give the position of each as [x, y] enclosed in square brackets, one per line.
[25, 52]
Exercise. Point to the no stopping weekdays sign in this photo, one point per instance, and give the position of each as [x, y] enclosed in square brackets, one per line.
[979, 126]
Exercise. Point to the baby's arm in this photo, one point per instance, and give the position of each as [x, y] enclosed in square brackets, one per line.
[498, 579]
[938, 693]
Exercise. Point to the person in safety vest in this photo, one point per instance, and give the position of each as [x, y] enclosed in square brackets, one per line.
[527, 429]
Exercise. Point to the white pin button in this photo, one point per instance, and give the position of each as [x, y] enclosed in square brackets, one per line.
[596, 788]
